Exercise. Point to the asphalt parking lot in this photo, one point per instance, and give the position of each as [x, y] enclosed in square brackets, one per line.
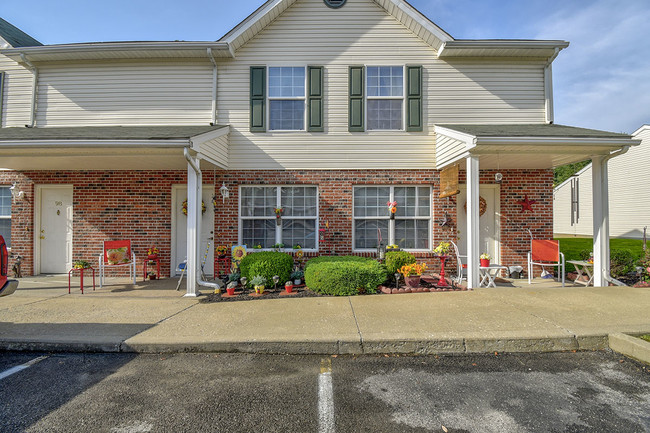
[558, 392]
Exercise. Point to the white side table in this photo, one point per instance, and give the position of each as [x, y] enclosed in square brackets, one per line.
[584, 270]
[489, 273]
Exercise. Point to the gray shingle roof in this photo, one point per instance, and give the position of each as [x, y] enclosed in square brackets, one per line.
[15, 36]
[533, 130]
[106, 132]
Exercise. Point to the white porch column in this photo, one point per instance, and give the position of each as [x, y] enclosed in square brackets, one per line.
[194, 185]
[472, 229]
[601, 220]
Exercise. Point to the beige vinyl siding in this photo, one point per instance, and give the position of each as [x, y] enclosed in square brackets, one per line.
[125, 93]
[362, 33]
[217, 149]
[17, 93]
[629, 196]
[447, 149]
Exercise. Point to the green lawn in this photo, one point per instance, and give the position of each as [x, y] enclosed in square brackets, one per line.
[571, 247]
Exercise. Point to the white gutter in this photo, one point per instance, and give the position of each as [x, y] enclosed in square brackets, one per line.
[109, 144]
[623, 150]
[193, 267]
[214, 87]
[548, 86]
[34, 69]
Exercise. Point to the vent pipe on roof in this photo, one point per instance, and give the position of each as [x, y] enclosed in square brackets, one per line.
[34, 69]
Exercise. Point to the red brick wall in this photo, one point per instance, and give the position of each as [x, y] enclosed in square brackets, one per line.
[137, 206]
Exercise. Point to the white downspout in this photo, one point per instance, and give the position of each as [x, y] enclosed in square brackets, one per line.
[214, 87]
[34, 69]
[194, 187]
[548, 87]
[605, 211]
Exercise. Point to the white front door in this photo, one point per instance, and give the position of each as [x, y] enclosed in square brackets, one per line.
[55, 231]
[179, 235]
[488, 222]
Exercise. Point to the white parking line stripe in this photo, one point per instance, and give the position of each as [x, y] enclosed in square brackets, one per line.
[18, 368]
[325, 397]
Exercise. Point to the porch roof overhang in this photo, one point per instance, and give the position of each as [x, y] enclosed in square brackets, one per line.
[524, 146]
[112, 147]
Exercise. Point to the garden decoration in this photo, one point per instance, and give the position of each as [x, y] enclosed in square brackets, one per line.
[203, 209]
[412, 273]
[392, 208]
[485, 260]
[442, 251]
[288, 286]
[238, 253]
[243, 281]
[276, 278]
[397, 274]
[221, 251]
[526, 204]
[278, 215]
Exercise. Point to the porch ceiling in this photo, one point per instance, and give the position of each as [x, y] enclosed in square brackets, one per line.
[111, 147]
[538, 146]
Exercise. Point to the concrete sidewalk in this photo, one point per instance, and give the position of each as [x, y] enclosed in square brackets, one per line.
[152, 317]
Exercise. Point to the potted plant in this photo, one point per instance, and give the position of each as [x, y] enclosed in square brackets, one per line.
[392, 247]
[288, 286]
[152, 275]
[443, 249]
[80, 264]
[152, 252]
[412, 273]
[258, 283]
[278, 247]
[485, 260]
[257, 247]
[230, 288]
[297, 276]
[278, 215]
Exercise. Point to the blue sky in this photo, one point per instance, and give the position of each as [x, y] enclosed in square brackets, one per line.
[601, 81]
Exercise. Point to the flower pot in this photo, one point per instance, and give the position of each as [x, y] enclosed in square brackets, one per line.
[231, 291]
[152, 256]
[297, 282]
[412, 280]
[288, 288]
[485, 263]
[152, 277]
[259, 289]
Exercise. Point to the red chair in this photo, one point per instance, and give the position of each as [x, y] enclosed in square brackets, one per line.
[116, 254]
[545, 253]
[7, 286]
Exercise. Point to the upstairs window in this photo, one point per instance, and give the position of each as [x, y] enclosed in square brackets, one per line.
[385, 94]
[286, 99]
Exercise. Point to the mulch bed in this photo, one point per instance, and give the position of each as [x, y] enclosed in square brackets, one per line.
[427, 284]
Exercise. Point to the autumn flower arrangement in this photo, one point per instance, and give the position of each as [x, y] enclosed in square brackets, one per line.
[203, 209]
[442, 249]
[413, 269]
[153, 251]
[392, 208]
[222, 250]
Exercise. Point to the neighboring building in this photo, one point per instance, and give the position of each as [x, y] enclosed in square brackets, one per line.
[629, 197]
[327, 109]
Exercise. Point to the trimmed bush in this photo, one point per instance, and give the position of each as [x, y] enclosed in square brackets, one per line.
[396, 259]
[621, 262]
[267, 264]
[345, 277]
[322, 259]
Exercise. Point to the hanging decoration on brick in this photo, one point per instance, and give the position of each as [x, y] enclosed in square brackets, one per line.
[526, 204]
[482, 206]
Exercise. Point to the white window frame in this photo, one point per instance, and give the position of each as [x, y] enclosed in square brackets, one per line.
[367, 97]
[270, 98]
[278, 232]
[391, 222]
[8, 217]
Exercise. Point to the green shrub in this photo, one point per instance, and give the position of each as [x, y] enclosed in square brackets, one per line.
[396, 259]
[345, 277]
[621, 262]
[267, 264]
[584, 255]
[322, 259]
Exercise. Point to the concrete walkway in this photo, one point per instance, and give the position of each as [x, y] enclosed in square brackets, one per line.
[152, 317]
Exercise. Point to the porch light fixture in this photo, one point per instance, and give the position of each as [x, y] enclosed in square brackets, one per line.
[16, 193]
[225, 193]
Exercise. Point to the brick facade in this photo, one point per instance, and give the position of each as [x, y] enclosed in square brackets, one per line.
[137, 205]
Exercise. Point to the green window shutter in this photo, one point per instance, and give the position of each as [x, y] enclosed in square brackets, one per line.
[414, 98]
[258, 99]
[355, 109]
[315, 99]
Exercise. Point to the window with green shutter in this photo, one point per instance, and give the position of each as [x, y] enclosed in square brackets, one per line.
[315, 99]
[414, 98]
[258, 99]
[356, 102]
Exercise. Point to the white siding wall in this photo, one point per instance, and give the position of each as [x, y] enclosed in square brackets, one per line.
[309, 33]
[216, 149]
[447, 149]
[125, 93]
[16, 100]
[629, 196]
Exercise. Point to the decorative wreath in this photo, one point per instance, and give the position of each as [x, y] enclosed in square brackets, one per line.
[482, 206]
[185, 207]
